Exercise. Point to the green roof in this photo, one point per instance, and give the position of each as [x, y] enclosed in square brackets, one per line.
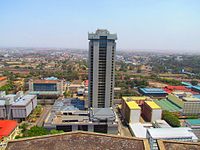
[177, 101]
[167, 105]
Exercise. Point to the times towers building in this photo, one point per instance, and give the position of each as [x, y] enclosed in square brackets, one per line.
[102, 49]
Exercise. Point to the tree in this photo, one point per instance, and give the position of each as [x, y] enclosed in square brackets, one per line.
[54, 131]
[171, 119]
[35, 131]
[23, 127]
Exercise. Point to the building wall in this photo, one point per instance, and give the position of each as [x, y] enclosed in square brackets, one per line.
[146, 112]
[156, 115]
[102, 128]
[135, 116]
[191, 108]
[18, 112]
[2, 112]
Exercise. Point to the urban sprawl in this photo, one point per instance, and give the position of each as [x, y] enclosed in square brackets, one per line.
[56, 98]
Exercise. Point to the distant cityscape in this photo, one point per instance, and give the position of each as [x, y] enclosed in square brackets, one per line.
[120, 99]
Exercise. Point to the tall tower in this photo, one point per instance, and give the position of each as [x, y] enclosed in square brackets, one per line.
[102, 49]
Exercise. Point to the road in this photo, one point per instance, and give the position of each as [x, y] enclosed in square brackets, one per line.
[43, 116]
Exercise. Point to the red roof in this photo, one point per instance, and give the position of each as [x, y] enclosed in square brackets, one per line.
[7, 127]
[3, 78]
[170, 89]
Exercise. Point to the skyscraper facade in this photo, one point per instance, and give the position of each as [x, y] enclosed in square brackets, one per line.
[102, 49]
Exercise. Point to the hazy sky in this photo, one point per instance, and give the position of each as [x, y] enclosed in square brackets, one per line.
[140, 24]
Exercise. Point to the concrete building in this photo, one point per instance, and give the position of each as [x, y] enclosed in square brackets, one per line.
[177, 134]
[3, 81]
[48, 87]
[8, 131]
[68, 117]
[130, 111]
[151, 111]
[16, 106]
[102, 53]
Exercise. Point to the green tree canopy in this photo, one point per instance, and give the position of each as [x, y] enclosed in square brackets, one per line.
[171, 119]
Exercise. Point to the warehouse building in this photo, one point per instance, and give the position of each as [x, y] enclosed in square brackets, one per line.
[130, 111]
[177, 134]
[167, 105]
[189, 105]
[151, 111]
[67, 116]
[16, 106]
[153, 92]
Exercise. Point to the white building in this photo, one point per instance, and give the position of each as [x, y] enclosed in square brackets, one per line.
[178, 134]
[17, 106]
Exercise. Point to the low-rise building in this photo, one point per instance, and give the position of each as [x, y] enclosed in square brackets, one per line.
[167, 105]
[151, 111]
[139, 130]
[48, 87]
[189, 105]
[177, 134]
[16, 106]
[153, 92]
[138, 99]
[68, 117]
[8, 131]
[194, 124]
[130, 111]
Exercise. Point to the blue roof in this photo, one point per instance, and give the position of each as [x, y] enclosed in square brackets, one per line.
[196, 87]
[152, 90]
[193, 121]
[186, 84]
[197, 96]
